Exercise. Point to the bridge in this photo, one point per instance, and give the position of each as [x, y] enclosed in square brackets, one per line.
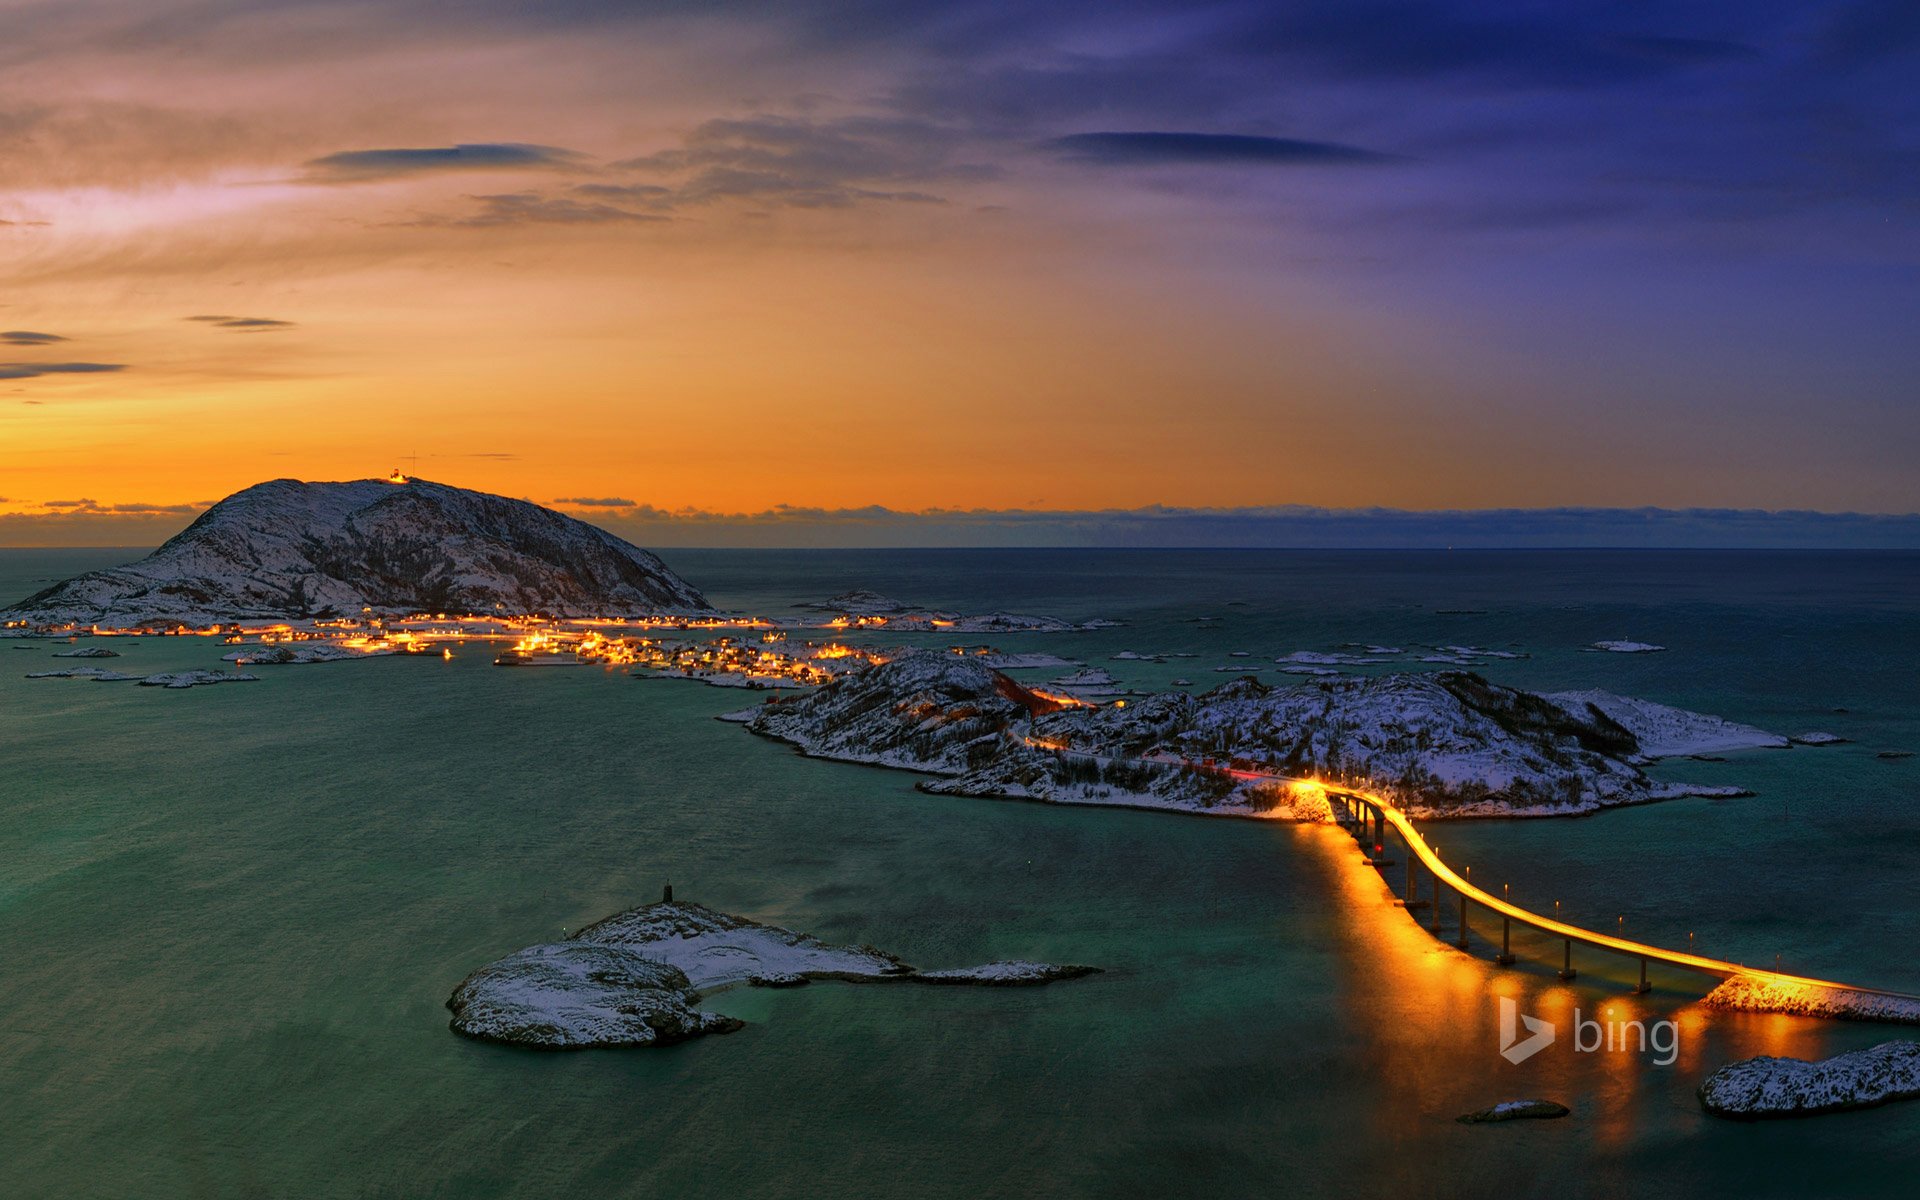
[1368, 816]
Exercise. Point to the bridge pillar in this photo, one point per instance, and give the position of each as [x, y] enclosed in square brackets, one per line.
[1505, 957]
[1461, 941]
[1644, 987]
[1436, 904]
[1567, 971]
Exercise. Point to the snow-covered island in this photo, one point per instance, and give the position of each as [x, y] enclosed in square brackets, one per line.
[1790, 1087]
[286, 549]
[1448, 744]
[175, 680]
[863, 608]
[635, 978]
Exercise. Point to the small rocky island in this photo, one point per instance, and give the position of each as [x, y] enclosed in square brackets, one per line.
[1515, 1110]
[1763, 1087]
[636, 978]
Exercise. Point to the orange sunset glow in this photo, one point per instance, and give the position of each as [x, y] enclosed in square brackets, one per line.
[704, 263]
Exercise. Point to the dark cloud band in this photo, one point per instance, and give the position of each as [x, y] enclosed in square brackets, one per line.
[362, 166]
[1157, 148]
[29, 370]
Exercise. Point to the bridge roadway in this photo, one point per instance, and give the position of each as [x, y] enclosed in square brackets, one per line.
[1367, 812]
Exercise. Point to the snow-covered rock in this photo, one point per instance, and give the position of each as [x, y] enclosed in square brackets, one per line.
[716, 948]
[87, 652]
[1750, 993]
[1010, 973]
[1321, 658]
[1819, 739]
[573, 994]
[1087, 683]
[303, 652]
[189, 679]
[1515, 1110]
[1623, 647]
[95, 673]
[1792, 1087]
[635, 978]
[1480, 652]
[1667, 732]
[288, 549]
[1001, 661]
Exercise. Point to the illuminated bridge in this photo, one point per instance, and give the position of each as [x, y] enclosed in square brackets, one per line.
[1367, 817]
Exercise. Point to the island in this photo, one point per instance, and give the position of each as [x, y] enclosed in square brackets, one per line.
[636, 978]
[291, 549]
[1445, 744]
[1766, 1087]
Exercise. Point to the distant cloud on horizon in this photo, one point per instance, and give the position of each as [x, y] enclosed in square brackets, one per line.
[1274, 527]
[59, 523]
[28, 337]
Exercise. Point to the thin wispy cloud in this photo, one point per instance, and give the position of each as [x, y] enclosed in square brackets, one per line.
[803, 162]
[534, 208]
[27, 337]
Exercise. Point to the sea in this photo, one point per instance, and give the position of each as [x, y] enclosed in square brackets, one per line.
[230, 916]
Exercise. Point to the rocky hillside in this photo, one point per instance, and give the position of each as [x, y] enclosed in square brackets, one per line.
[287, 549]
[1447, 744]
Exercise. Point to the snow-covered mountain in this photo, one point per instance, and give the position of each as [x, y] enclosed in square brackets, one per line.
[288, 549]
[1447, 744]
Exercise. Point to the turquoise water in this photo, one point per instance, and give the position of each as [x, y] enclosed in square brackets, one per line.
[230, 916]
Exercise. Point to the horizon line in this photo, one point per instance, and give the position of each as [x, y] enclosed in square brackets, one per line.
[79, 525]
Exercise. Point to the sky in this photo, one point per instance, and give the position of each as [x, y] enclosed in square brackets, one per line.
[682, 264]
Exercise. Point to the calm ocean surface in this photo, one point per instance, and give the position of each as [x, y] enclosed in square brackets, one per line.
[229, 917]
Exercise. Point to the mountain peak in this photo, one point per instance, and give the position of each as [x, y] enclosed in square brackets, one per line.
[287, 548]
